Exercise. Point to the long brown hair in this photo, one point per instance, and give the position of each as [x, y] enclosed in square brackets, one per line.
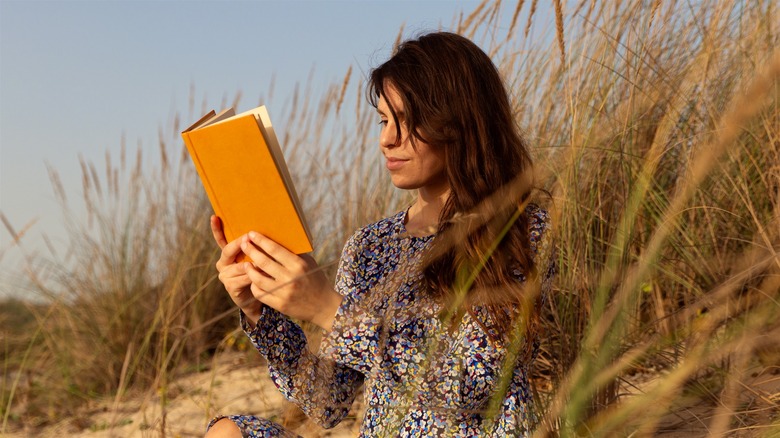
[455, 99]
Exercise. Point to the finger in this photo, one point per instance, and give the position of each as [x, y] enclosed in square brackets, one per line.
[234, 278]
[269, 298]
[279, 253]
[217, 231]
[236, 285]
[236, 274]
[263, 296]
[229, 253]
[260, 278]
[262, 260]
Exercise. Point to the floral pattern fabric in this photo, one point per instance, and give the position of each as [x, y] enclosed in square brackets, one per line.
[422, 377]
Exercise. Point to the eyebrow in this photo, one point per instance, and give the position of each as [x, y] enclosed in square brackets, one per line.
[401, 115]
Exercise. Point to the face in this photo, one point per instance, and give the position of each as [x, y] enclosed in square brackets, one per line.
[420, 167]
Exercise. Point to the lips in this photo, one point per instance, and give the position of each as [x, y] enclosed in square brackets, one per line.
[395, 163]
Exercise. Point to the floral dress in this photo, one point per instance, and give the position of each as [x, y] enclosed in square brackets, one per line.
[421, 379]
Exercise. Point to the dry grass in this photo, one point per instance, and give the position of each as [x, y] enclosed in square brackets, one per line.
[655, 127]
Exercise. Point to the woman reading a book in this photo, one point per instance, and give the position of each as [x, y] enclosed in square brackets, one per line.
[434, 308]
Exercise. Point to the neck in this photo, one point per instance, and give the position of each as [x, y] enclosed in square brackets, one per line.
[432, 200]
[423, 217]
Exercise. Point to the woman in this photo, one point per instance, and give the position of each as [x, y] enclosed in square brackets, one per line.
[433, 307]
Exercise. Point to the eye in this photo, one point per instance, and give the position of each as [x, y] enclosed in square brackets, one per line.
[383, 123]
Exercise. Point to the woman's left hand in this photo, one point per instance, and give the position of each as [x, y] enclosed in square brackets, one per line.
[294, 285]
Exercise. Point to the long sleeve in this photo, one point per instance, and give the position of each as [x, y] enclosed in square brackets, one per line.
[324, 385]
[323, 389]
[541, 237]
[369, 298]
[422, 378]
[513, 419]
[353, 336]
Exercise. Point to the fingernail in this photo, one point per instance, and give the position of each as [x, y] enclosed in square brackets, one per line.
[252, 235]
[243, 245]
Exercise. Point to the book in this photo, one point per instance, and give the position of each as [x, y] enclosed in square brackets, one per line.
[242, 168]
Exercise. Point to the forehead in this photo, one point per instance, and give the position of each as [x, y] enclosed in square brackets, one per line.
[390, 98]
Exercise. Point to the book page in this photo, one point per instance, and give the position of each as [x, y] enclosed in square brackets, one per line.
[264, 122]
[224, 115]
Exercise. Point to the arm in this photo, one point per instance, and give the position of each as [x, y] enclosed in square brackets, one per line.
[354, 333]
[540, 235]
[321, 388]
[323, 391]
[371, 283]
[514, 415]
[293, 286]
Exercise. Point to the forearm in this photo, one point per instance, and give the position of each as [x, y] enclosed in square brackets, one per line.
[515, 416]
[324, 318]
[322, 389]
[250, 315]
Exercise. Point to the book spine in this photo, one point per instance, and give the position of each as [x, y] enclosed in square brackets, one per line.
[203, 177]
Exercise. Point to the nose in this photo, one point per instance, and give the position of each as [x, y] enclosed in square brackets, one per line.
[388, 135]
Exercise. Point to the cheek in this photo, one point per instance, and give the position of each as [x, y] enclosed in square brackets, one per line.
[431, 171]
[435, 164]
[434, 168]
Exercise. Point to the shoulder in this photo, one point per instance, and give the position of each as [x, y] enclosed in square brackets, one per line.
[370, 254]
[370, 237]
[538, 226]
[540, 237]
[379, 230]
[537, 213]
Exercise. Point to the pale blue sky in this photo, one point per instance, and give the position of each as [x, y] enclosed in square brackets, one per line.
[77, 75]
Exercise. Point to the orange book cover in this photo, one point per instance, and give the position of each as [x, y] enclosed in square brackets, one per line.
[241, 165]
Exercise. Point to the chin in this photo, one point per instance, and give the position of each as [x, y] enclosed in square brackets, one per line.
[405, 185]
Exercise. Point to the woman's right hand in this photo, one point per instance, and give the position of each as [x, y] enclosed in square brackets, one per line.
[233, 275]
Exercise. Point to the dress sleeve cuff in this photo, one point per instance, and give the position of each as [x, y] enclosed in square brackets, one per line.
[275, 336]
